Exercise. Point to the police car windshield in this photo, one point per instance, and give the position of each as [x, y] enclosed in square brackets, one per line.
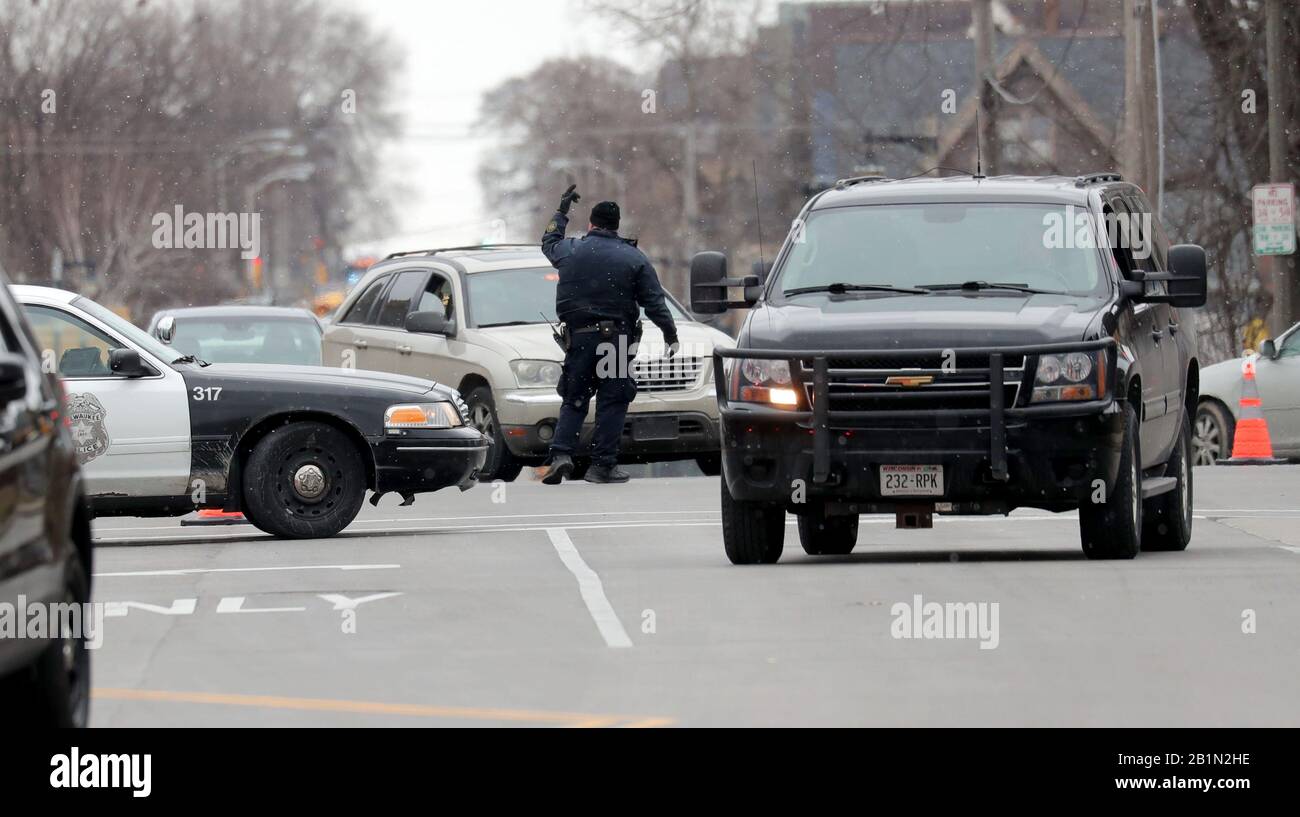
[126, 329]
[944, 247]
[522, 296]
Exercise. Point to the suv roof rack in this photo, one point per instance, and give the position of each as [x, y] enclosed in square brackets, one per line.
[437, 250]
[1097, 178]
[840, 184]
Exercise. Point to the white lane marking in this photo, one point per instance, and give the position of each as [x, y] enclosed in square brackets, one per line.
[593, 593]
[187, 571]
[235, 604]
[113, 528]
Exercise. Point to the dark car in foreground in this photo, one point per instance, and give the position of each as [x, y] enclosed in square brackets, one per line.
[295, 448]
[45, 549]
[962, 345]
[241, 334]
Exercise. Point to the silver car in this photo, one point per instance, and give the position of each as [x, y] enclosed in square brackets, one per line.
[1277, 374]
[479, 319]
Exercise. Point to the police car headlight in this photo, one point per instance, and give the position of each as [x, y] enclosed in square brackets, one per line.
[536, 373]
[756, 380]
[422, 415]
[1072, 376]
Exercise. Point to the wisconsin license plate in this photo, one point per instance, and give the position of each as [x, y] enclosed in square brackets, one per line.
[911, 480]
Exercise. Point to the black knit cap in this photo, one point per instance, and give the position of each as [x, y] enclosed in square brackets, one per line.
[605, 215]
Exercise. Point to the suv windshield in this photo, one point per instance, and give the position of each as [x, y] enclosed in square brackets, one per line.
[943, 246]
[517, 296]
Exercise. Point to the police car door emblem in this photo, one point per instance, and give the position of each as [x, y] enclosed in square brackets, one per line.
[89, 433]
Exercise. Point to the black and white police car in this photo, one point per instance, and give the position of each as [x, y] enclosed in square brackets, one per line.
[293, 447]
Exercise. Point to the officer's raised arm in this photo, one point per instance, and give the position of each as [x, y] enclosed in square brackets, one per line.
[553, 245]
[650, 297]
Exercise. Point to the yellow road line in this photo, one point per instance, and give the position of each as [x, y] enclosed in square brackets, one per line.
[570, 719]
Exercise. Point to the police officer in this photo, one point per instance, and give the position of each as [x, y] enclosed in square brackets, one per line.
[604, 281]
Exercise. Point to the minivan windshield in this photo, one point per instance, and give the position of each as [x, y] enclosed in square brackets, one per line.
[972, 247]
[519, 296]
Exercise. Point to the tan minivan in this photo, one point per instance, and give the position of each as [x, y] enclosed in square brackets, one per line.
[479, 319]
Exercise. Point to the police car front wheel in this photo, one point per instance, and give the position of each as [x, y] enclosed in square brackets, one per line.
[304, 481]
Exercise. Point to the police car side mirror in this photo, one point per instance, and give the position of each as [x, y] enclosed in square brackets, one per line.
[166, 329]
[709, 283]
[127, 363]
[1268, 349]
[13, 378]
[428, 323]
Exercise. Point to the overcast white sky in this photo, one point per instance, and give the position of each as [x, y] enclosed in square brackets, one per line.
[456, 50]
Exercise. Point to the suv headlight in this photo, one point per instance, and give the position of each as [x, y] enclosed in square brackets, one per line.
[536, 373]
[1070, 376]
[422, 415]
[754, 380]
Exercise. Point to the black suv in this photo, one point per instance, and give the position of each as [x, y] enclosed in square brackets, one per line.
[961, 345]
[45, 550]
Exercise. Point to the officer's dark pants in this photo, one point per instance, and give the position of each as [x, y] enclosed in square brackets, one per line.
[601, 367]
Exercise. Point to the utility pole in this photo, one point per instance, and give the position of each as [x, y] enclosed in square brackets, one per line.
[1283, 266]
[1138, 144]
[987, 132]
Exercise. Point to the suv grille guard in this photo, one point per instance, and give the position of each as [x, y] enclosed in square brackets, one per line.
[997, 412]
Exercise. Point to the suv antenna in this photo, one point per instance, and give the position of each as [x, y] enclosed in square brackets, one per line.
[758, 215]
[979, 137]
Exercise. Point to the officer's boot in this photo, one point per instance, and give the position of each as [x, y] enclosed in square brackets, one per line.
[606, 473]
[561, 467]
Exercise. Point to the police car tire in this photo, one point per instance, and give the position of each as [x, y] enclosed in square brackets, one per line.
[1113, 529]
[501, 464]
[54, 691]
[823, 535]
[1167, 518]
[752, 533]
[270, 502]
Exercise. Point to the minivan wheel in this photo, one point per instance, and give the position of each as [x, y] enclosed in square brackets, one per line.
[1168, 517]
[1113, 529]
[500, 463]
[753, 533]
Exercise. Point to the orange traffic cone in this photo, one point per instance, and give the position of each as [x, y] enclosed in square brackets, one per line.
[1251, 444]
[213, 516]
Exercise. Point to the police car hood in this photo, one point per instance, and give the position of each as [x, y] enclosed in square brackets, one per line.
[280, 377]
[534, 341]
[943, 320]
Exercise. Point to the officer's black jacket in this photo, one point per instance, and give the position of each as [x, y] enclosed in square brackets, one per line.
[602, 277]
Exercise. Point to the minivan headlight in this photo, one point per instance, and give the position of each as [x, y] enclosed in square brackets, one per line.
[1070, 376]
[536, 373]
[755, 380]
[422, 415]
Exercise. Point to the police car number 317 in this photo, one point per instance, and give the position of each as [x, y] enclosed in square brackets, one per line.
[295, 448]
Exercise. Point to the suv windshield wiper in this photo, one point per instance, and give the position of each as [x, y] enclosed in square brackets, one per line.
[190, 359]
[976, 286]
[840, 288]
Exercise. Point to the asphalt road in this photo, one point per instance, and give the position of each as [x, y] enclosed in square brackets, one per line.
[585, 605]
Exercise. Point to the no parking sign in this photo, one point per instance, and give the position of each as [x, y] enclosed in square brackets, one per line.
[1273, 206]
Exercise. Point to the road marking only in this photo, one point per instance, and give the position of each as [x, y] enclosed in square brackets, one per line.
[593, 593]
[572, 719]
[189, 571]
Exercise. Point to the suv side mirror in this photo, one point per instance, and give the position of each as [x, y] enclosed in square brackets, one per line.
[1189, 285]
[127, 363]
[1268, 349]
[709, 283]
[166, 329]
[13, 378]
[429, 323]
